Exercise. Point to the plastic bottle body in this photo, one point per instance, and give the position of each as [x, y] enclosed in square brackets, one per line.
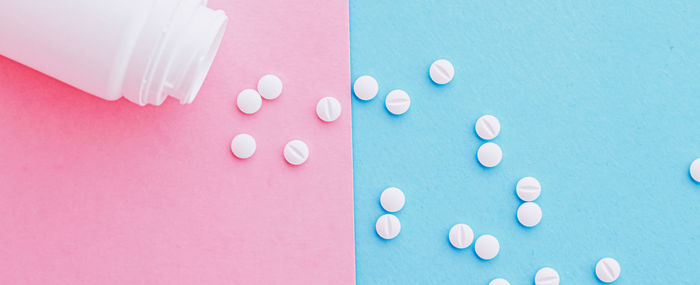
[144, 50]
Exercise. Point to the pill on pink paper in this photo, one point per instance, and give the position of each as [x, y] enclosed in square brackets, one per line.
[249, 101]
[270, 87]
[296, 152]
[328, 109]
[243, 146]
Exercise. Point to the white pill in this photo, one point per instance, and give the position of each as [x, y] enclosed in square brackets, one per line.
[528, 189]
[366, 88]
[487, 127]
[499, 281]
[695, 170]
[486, 247]
[243, 146]
[296, 152]
[461, 236]
[392, 199]
[398, 102]
[529, 214]
[442, 71]
[388, 226]
[328, 109]
[489, 154]
[270, 86]
[547, 276]
[607, 270]
[249, 101]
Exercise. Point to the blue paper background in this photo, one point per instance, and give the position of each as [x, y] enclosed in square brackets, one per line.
[599, 100]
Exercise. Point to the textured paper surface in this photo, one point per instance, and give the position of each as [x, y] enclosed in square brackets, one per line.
[98, 192]
[598, 99]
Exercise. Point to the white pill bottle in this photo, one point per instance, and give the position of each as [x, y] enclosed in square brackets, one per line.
[143, 50]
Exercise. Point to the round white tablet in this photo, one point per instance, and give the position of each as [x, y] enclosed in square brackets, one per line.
[499, 281]
[486, 247]
[489, 154]
[392, 199]
[461, 236]
[388, 226]
[243, 146]
[529, 214]
[547, 276]
[607, 270]
[397, 102]
[249, 101]
[695, 170]
[270, 86]
[296, 152]
[328, 109]
[487, 127]
[528, 189]
[365, 87]
[442, 71]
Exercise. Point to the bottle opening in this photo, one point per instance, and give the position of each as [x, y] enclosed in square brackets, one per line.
[174, 52]
[203, 63]
[195, 49]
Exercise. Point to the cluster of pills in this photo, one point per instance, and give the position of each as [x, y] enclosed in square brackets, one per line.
[397, 101]
[486, 246]
[607, 270]
[249, 101]
[528, 189]
[489, 154]
[392, 200]
[487, 128]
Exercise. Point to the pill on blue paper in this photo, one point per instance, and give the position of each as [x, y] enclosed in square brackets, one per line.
[547, 276]
[243, 146]
[487, 247]
[296, 152]
[365, 88]
[388, 226]
[270, 86]
[249, 101]
[328, 109]
[607, 270]
[442, 71]
[529, 214]
[499, 281]
[461, 236]
[695, 170]
[397, 102]
[392, 199]
[487, 127]
[489, 154]
[528, 189]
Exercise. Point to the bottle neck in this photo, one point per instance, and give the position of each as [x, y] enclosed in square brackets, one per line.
[175, 51]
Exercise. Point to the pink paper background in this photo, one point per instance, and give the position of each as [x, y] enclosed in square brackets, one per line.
[98, 192]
